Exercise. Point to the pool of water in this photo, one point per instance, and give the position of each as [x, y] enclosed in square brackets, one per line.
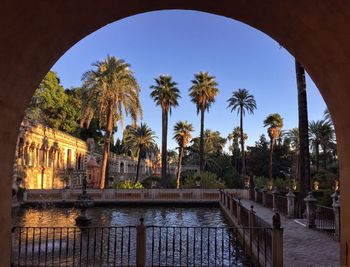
[121, 216]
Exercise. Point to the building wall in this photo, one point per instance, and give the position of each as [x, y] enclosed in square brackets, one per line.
[46, 159]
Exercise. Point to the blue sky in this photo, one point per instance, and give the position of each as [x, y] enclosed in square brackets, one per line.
[182, 43]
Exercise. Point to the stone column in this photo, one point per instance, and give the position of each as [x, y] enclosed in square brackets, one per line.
[141, 244]
[334, 197]
[256, 193]
[336, 209]
[264, 195]
[275, 193]
[290, 203]
[310, 202]
[277, 241]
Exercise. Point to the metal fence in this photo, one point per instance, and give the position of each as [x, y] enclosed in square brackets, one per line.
[72, 246]
[117, 246]
[325, 218]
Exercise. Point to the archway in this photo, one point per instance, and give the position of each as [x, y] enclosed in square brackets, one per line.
[36, 33]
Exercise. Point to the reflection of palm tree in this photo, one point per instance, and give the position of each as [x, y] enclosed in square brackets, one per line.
[203, 92]
[109, 91]
[182, 135]
[243, 102]
[141, 139]
[275, 123]
[166, 95]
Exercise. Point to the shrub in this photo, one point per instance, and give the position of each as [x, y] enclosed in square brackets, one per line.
[233, 179]
[147, 182]
[207, 180]
[127, 184]
[325, 178]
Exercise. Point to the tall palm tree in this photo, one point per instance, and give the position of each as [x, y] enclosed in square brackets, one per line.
[243, 102]
[203, 92]
[235, 137]
[327, 116]
[182, 135]
[315, 132]
[110, 92]
[275, 123]
[304, 153]
[327, 136]
[166, 95]
[293, 139]
[140, 138]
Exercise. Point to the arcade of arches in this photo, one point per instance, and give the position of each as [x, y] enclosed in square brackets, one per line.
[35, 34]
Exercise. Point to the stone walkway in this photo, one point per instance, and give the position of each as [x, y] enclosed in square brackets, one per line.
[301, 246]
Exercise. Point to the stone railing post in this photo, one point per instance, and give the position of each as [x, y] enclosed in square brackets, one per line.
[290, 203]
[25, 196]
[256, 189]
[310, 202]
[334, 197]
[232, 202]
[336, 209]
[275, 193]
[264, 195]
[239, 205]
[141, 244]
[277, 241]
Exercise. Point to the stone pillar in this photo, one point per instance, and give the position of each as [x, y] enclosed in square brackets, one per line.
[239, 205]
[264, 195]
[141, 244]
[336, 209]
[334, 197]
[290, 203]
[277, 241]
[310, 202]
[275, 193]
[251, 217]
[256, 193]
[232, 202]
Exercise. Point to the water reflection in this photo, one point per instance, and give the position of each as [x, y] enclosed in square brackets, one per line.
[120, 216]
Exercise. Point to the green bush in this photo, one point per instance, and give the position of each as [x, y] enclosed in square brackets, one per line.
[147, 182]
[127, 184]
[233, 179]
[207, 180]
[259, 181]
[326, 179]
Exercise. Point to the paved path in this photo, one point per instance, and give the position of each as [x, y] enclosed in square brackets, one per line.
[301, 246]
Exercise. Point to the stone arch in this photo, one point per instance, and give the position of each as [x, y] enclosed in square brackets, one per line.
[315, 32]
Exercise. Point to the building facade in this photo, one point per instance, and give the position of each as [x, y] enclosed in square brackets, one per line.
[49, 159]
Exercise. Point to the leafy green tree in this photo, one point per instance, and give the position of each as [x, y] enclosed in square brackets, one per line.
[54, 107]
[110, 92]
[274, 122]
[182, 135]
[243, 102]
[235, 137]
[203, 92]
[315, 131]
[140, 138]
[166, 95]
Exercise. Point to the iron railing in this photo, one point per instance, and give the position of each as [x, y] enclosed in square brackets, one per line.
[117, 246]
[282, 204]
[325, 218]
[72, 246]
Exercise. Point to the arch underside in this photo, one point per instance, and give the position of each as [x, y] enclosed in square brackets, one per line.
[35, 34]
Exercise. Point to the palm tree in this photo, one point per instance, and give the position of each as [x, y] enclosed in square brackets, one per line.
[304, 153]
[203, 92]
[315, 131]
[327, 136]
[275, 123]
[293, 139]
[235, 137]
[166, 95]
[110, 92]
[327, 116]
[243, 102]
[182, 135]
[140, 138]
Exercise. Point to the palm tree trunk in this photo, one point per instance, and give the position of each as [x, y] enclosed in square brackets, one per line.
[164, 148]
[324, 148]
[304, 153]
[179, 166]
[106, 147]
[272, 142]
[201, 143]
[243, 170]
[317, 157]
[138, 165]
